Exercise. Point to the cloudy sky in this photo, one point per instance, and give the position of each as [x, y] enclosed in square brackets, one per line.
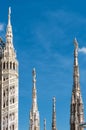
[44, 31]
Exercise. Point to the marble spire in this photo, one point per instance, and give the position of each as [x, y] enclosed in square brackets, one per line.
[34, 96]
[34, 113]
[54, 114]
[9, 34]
[76, 109]
[44, 124]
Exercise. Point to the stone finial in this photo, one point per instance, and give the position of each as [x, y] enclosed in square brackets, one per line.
[75, 52]
[9, 13]
[54, 103]
[34, 75]
[75, 43]
[54, 115]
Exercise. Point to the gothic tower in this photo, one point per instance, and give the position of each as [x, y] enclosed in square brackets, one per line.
[76, 111]
[34, 113]
[54, 115]
[8, 82]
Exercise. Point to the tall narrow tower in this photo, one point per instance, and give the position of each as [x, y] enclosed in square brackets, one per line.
[8, 82]
[34, 113]
[76, 111]
[44, 124]
[54, 115]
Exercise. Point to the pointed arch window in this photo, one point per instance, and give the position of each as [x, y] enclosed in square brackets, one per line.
[4, 93]
[4, 65]
[10, 65]
[0, 65]
[4, 104]
[6, 128]
[7, 65]
[13, 127]
[13, 100]
[14, 65]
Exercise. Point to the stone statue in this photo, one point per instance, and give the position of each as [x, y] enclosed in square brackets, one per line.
[76, 43]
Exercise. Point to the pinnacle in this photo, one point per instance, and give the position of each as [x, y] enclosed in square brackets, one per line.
[76, 43]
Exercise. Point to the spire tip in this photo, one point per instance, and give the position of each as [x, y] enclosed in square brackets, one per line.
[54, 103]
[75, 43]
[34, 69]
[54, 99]
[34, 72]
[34, 76]
[9, 11]
[54, 114]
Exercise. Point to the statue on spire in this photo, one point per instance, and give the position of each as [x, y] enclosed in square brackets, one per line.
[9, 13]
[75, 52]
[76, 109]
[76, 43]
[54, 115]
[54, 103]
[9, 10]
[34, 96]
[34, 113]
[34, 75]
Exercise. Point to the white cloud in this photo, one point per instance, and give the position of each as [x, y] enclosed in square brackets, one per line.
[82, 50]
[1, 27]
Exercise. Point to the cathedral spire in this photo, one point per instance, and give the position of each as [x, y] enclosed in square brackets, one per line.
[8, 90]
[9, 34]
[34, 113]
[76, 67]
[76, 111]
[34, 77]
[44, 124]
[54, 115]
[34, 96]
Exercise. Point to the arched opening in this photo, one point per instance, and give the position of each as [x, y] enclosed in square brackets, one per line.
[14, 66]
[10, 65]
[13, 127]
[7, 65]
[4, 65]
[4, 104]
[13, 100]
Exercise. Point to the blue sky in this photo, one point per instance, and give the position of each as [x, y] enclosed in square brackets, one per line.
[43, 32]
